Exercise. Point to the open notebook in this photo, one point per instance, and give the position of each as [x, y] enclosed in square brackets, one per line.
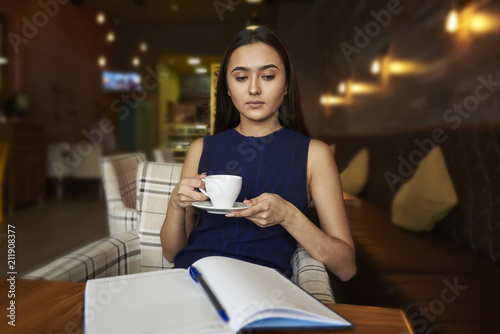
[173, 301]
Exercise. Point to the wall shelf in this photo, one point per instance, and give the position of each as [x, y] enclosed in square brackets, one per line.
[180, 136]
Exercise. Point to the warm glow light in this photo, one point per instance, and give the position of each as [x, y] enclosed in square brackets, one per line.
[200, 70]
[483, 23]
[143, 47]
[342, 88]
[3, 60]
[252, 27]
[330, 100]
[136, 61]
[398, 67]
[363, 88]
[101, 61]
[194, 61]
[101, 18]
[452, 21]
[253, 1]
[375, 68]
[110, 37]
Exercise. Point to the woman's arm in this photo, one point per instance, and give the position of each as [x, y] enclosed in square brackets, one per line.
[335, 247]
[331, 243]
[181, 215]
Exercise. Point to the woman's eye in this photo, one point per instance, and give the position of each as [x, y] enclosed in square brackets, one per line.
[268, 77]
[240, 78]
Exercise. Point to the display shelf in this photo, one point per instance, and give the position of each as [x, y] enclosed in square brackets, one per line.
[180, 136]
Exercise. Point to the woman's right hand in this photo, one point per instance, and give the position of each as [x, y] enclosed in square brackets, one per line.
[185, 193]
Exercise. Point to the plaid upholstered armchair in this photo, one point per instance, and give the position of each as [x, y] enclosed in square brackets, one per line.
[139, 250]
[163, 155]
[119, 180]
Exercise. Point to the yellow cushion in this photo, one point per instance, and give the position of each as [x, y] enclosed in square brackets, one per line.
[426, 197]
[332, 148]
[355, 175]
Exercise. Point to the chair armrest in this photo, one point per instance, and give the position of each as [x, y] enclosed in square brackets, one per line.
[122, 219]
[112, 256]
[311, 275]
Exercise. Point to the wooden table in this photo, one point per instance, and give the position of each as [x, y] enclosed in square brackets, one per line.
[48, 307]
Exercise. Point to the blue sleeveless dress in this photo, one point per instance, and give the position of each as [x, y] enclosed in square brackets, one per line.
[276, 163]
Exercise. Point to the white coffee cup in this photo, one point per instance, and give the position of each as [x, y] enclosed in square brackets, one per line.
[222, 189]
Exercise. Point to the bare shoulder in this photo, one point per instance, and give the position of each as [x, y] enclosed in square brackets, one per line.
[196, 146]
[319, 150]
[320, 159]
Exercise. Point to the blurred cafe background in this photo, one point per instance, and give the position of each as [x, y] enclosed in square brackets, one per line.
[85, 79]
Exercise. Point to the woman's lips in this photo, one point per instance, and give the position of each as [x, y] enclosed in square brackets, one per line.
[255, 104]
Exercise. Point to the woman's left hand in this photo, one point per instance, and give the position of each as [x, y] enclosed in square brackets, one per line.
[266, 210]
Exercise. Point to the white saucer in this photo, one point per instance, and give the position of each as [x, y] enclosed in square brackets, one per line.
[207, 205]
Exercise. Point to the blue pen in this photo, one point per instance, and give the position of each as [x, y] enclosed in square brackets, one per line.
[197, 277]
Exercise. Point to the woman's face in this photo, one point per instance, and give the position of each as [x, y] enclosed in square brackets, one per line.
[256, 80]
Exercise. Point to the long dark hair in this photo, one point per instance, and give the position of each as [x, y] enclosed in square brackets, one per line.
[290, 111]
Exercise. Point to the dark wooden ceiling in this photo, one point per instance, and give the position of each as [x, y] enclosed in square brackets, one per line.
[184, 11]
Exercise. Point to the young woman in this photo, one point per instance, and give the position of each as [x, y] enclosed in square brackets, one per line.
[260, 135]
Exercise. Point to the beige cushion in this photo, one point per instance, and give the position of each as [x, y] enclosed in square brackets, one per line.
[426, 197]
[355, 175]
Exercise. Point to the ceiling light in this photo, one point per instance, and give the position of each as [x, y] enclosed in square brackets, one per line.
[101, 18]
[136, 61]
[253, 22]
[101, 61]
[375, 68]
[452, 21]
[110, 37]
[194, 61]
[200, 70]
[253, 1]
[342, 88]
[143, 47]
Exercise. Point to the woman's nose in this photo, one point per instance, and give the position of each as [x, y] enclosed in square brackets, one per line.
[254, 87]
